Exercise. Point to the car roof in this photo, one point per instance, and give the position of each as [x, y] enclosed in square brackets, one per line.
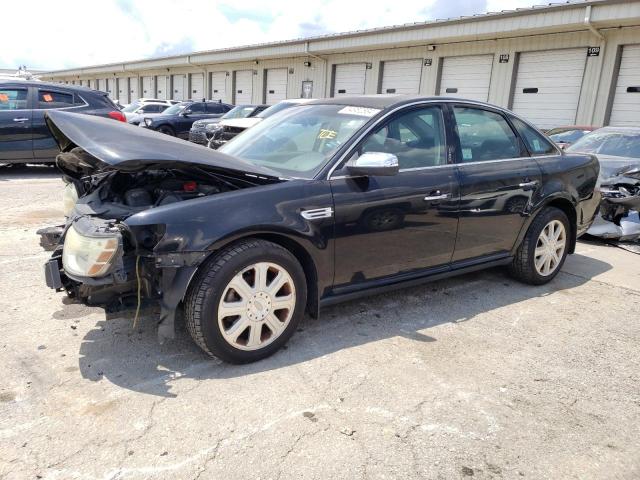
[635, 130]
[383, 101]
[37, 83]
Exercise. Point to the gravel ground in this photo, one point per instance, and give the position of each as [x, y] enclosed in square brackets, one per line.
[477, 376]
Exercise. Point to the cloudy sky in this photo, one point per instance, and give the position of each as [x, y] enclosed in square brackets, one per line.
[71, 33]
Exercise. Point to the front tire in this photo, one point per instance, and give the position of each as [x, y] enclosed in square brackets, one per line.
[246, 303]
[167, 130]
[543, 251]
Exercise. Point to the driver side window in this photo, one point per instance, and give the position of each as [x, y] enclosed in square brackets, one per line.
[196, 107]
[416, 137]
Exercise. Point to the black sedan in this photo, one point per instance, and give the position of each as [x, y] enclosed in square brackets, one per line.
[201, 130]
[325, 202]
[177, 119]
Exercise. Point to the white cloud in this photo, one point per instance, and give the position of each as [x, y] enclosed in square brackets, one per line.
[74, 32]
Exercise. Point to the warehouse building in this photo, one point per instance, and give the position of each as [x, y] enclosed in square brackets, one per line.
[559, 64]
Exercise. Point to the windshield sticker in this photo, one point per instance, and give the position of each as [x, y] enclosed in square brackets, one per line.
[47, 98]
[362, 111]
[467, 154]
[4, 97]
[324, 133]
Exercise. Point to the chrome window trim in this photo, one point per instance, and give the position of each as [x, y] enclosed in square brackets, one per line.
[416, 169]
[440, 101]
[73, 94]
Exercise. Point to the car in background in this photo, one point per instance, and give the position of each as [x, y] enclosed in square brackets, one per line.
[24, 136]
[201, 129]
[618, 151]
[290, 216]
[565, 136]
[178, 119]
[228, 129]
[144, 106]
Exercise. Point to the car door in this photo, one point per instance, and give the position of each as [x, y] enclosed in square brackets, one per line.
[497, 181]
[195, 111]
[388, 226]
[45, 99]
[16, 143]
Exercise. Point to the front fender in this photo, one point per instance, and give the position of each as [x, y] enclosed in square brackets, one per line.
[196, 228]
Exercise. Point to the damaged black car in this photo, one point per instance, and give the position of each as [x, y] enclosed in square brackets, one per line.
[322, 203]
[618, 151]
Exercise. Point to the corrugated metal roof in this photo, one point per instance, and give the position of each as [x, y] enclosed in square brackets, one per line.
[354, 33]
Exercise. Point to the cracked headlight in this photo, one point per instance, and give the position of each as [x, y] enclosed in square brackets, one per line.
[148, 121]
[69, 198]
[88, 256]
[213, 126]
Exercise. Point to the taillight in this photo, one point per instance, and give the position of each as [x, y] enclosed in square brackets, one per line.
[117, 116]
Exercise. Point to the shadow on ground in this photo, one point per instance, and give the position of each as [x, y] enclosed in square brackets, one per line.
[134, 360]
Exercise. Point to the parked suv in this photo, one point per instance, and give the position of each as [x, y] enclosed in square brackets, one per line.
[24, 136]
[201, 129]
[177, 119]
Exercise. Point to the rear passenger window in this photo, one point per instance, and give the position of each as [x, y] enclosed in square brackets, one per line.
[215, 108]
[415, 137]
[485, 135]
[49, 99]
[537, 143]
[13, 98]
[197, 108]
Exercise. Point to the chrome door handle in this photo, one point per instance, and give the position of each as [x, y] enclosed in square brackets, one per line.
[528, 184]
[20, 119]
[436, 197]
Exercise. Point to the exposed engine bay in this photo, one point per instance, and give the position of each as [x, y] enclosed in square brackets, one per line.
[116, 194]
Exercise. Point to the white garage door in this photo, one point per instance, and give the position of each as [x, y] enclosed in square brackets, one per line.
[110, 87]
[218, 86]
[625, 111]
[178, 84]
[468, 76]
[123, 90]
[401, 76]
[276, 85]
[147, 87]
[349, 79]
[197, 86]
[548, 86]
[243, 89]
[133, 89]
[162, 92]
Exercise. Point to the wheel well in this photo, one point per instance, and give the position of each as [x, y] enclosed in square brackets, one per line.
[301, 255]
[570, 211]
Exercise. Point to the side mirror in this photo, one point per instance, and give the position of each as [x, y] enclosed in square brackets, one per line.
[372, 164]
[186, 113]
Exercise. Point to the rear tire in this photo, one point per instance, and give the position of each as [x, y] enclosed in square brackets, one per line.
[544, 248]
[245, 304]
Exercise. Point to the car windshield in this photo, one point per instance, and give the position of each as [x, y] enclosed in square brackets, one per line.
[568, 136]
[617, 144]
[299, 141]
[275, 109]
[131, 107]
[239, 112]
[175, 109]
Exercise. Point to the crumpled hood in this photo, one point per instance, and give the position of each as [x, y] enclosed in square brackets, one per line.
[119, 146]
[612, 167]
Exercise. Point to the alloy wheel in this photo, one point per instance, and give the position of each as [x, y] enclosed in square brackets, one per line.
[550, 248]
[256, 306]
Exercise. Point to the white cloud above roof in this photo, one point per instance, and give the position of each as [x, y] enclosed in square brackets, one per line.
[72, 33]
